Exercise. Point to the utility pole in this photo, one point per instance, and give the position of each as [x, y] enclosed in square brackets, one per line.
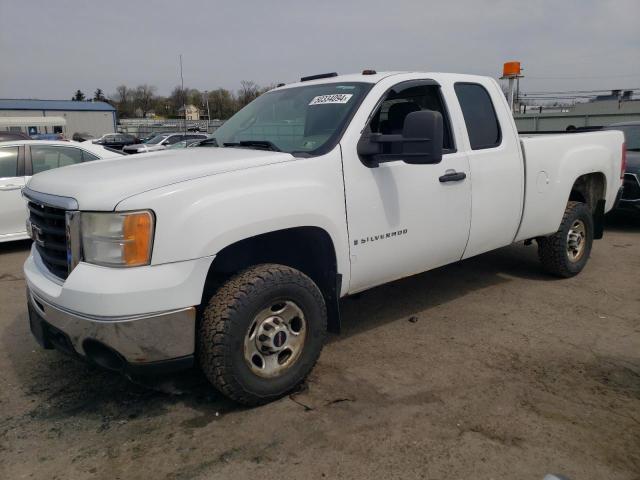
[184, 97]
[206, 95]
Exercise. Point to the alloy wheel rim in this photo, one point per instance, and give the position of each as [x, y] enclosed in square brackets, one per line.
[275, 339]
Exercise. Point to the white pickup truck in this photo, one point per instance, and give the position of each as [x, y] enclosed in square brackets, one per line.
[235, 257]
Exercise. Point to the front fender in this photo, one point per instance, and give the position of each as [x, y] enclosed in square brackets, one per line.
[200, 217]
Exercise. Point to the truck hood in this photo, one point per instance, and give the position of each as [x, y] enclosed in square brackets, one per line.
[102, 184]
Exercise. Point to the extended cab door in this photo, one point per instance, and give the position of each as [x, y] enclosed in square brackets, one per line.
[13, 209]
[402, 219]
[497, 168]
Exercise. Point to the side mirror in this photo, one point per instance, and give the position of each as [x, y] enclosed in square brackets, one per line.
[419, 143]
[422, 137]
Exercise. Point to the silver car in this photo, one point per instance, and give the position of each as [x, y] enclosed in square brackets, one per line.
[162, 141]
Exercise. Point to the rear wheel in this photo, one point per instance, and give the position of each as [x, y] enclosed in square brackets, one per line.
[261, 333]
[565, 253]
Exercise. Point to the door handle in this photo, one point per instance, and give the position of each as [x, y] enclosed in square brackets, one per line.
[9, 187]
[452, 176]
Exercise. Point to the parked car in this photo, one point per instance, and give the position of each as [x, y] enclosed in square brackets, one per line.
[7, 136]
[185, 143]
[117, 141]
[631, 196]
[48, 136]
[160, 142]
[236, 257]
[153, 135]
[21, 159]
[82, 137]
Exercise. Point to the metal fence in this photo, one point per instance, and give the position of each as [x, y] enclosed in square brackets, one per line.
[142, 127]
[563, 121]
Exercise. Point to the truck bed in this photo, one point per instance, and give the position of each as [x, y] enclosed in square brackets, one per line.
[552, 162]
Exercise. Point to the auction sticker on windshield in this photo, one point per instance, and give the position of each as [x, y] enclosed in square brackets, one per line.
[335, 98]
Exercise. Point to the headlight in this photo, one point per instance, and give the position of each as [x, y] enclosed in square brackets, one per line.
[121, 239]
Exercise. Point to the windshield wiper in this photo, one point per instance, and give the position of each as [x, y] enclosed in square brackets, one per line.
[259, 144]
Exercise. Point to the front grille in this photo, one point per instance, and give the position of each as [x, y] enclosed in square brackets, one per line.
[631, 187]
[50, 237]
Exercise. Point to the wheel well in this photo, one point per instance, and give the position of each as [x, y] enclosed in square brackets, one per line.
[308, 249]
[591, 189]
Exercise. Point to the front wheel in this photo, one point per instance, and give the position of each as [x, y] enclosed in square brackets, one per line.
[261, 333]
[565, 253]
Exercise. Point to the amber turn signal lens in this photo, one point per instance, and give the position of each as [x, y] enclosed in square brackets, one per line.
[137, 231]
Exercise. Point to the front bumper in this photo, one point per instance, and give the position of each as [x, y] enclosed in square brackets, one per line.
[138, 344]
[127, 319]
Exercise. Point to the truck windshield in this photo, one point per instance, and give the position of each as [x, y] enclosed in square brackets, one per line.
[304, 120]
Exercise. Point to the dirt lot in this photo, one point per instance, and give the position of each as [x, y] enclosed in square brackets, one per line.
[503, 373]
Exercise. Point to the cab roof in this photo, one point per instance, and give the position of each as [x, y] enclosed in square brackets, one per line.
[350, 77]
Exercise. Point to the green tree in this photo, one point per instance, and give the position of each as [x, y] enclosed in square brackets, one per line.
[78, 97]
[98, 95]
[222, 104]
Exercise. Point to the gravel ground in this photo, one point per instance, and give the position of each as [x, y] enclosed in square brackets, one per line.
[483, 369]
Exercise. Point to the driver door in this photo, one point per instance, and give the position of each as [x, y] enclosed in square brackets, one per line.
[13, 209]
[404, 219]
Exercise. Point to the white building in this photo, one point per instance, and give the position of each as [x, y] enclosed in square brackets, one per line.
[193, 112]
[96, 118]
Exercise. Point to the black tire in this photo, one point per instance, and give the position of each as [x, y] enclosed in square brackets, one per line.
[230, 313]
[552, 250]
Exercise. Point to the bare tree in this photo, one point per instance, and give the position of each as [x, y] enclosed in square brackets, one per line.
[248, 92]
[143, 97]
[177, 98]
[123, 100]
[122, 95]
[195, 97]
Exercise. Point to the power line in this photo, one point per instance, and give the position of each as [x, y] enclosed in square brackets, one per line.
[604, 90]
[580, 77]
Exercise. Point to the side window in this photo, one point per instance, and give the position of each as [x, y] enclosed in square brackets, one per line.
[8, 162]
[47, 157]
[173, 139]
[87, 157]
[479, 116]
[400, 101]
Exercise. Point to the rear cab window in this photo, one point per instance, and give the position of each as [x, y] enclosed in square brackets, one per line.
[479, 115]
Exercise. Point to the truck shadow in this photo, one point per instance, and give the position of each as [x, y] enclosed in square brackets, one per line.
[58, 388]
[15, 246]
[622, 222]
[61, 387]
[408, 296]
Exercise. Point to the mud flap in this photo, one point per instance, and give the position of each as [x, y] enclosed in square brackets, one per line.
[598, 220]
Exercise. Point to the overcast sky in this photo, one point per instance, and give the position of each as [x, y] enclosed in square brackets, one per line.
[49, 48]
